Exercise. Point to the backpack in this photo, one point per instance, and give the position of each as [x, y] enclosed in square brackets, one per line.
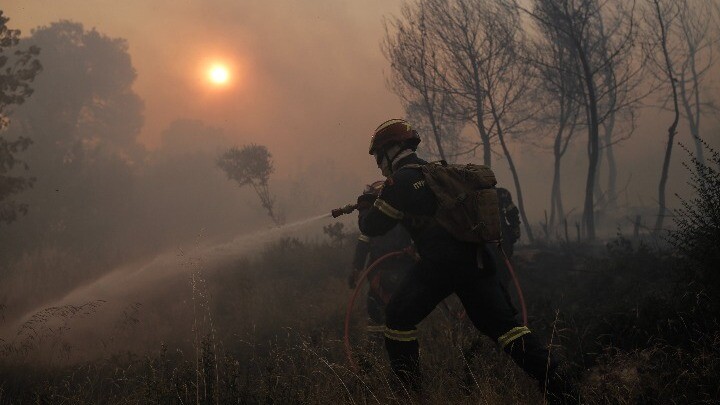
[468, 204]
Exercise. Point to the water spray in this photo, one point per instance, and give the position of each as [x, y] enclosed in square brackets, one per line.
[122, 283]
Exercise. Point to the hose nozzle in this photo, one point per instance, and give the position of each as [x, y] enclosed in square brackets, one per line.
[343, 210]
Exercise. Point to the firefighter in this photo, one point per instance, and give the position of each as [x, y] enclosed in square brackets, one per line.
[447, 265]
[385, 278]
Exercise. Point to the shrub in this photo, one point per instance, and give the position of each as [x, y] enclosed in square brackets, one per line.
[697, 235]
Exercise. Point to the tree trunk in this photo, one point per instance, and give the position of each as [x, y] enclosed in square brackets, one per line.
[436, 130]
[516, 178]
[593, 144]
[599, 195]
[480, 119]
[485, 139]
[696, 134]
[611, 84]
[609, 128]
[612, 172]
[556, 206]
[672, 130]
[518, 190]
[555, 199]
[693, 115]
[430, 106]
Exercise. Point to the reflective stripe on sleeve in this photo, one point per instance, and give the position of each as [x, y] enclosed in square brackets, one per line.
[401, 335]
[364, 238]
[388, 209]
[512, 334]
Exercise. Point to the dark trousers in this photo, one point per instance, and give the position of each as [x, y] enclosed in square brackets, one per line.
[487, 306]
[384, 280]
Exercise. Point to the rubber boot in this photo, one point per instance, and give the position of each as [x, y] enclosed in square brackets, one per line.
[405, 362]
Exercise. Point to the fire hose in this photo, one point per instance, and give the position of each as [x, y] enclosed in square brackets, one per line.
[353, 297]
[363, 276]
[518, 289]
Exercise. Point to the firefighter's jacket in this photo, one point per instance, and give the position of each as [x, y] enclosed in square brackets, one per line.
[406, 199]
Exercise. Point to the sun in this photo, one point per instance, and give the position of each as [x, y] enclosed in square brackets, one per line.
[219, 74]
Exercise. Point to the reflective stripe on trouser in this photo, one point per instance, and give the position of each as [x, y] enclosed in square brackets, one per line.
[512, 334]
[401, 335]
[376, 328]
[532, 356]
[375, 336]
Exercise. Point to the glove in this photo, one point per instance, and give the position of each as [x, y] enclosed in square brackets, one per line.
[365, 201]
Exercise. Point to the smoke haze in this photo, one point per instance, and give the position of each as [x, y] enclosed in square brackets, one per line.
[311, 85]
[308, 81]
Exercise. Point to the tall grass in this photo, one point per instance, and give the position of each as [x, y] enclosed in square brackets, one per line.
[268, 329]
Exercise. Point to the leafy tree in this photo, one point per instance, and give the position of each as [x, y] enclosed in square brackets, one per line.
[16, 74]
[251, 165]
[83, 119]
[85, 108]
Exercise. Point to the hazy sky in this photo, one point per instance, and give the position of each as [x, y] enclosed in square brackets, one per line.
[307, 75]
[309, 81]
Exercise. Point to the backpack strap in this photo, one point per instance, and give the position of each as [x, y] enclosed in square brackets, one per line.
[418, 223]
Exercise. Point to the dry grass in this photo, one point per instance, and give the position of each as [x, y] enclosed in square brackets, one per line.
[267, 329]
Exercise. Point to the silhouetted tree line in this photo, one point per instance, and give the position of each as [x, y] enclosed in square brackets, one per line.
[18, 68]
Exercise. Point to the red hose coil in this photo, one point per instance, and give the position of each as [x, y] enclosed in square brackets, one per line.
[351, 303]
[509, 266]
